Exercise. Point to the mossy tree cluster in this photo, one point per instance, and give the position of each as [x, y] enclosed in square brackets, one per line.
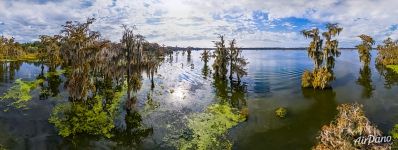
[365, 48]
[350, 123]
[12, 50]
[98, 73]
[323, 56]
[387, 52]
[231, 57]
[364, 52]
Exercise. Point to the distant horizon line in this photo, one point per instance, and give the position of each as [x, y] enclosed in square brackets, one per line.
[259, 48]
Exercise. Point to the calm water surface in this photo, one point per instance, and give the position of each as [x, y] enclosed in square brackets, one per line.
[273, 81]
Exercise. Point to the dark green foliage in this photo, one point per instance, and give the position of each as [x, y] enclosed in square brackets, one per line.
[77, 118]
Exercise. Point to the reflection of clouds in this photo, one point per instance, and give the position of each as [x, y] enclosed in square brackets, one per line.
[275, 70]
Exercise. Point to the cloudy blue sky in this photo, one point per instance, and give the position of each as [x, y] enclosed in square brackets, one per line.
[254, 23]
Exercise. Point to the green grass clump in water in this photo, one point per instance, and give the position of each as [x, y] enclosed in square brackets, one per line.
[20, 92]
[393, 67]
[209, 128]
[56, 73]
[281, 112]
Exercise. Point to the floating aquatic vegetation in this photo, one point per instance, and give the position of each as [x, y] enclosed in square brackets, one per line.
[78, 118]
[20, 92]
[394, 132]
[207, 130]
[55, 73]
[281, 112]
[393, 67]
[150, 104]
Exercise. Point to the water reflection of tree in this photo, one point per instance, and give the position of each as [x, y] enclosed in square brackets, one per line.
[390, 77]
[231, 92]
[133, 133]
[50, 86]
[365, 80]
[8, 70]
[228, 60]
[189, 51]
[205, 55]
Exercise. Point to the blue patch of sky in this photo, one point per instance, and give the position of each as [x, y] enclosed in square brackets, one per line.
[391, 29]
[153, 21]
[290, 24]
[113, 3]
[86, 3]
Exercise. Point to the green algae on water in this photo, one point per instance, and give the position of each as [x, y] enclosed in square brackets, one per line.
[80, 118]
[207, 130]
[20, 92]
[281, 112]
[75, 118]
[55, 73]
[393, 67]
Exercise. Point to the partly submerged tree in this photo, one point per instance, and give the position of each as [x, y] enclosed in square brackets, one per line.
[79, 49]
[315, 48]
[323, 57]
[237, 63]
[331, 50]
[231, 57]
[221, 58]
[364, 48]
[365, 73]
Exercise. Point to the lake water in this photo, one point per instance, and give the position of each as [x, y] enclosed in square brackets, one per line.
[273, 80]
